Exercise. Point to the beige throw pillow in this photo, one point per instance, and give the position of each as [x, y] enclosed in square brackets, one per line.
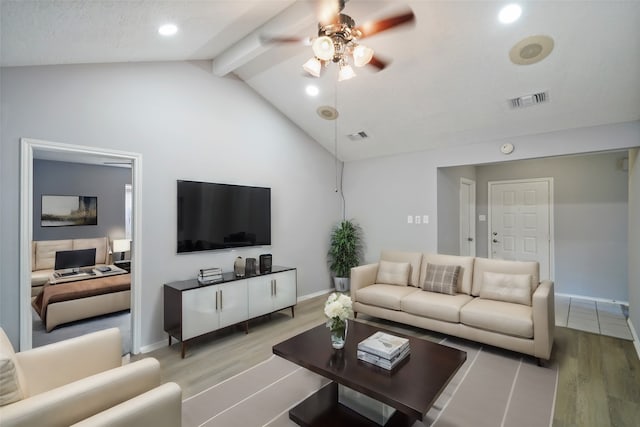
[9, 384]
[393, 273]
[514, 288]
[442, 279]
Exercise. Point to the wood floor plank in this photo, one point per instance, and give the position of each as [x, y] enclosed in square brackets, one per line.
[598, 384]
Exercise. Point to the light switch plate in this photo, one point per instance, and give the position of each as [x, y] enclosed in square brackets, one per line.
[482, 217]
[425, 219]
[417, 219]
[410, 219]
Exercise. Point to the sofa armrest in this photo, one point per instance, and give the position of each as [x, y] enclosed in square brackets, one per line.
[50, 366]
[160, 407]
[544, 319]
[361, 276]
[81, 399]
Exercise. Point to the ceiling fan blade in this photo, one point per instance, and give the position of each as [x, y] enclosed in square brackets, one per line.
[265, 40]
[378, 63]
[370, 28]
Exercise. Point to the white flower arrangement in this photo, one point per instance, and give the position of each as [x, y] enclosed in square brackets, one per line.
[338, 309]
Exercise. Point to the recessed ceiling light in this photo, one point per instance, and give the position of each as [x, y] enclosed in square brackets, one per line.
[312, 90]
[510, 13]
[168, 29]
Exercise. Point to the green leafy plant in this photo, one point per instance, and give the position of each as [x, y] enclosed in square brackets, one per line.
[345, 248]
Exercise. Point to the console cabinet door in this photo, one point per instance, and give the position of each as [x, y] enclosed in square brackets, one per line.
[199, 313]
[233, 303]
[285, 294]
[260, 294]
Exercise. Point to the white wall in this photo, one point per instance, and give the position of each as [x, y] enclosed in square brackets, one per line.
[590, 218]
[634, 241]
[449, 207]
[187, 124]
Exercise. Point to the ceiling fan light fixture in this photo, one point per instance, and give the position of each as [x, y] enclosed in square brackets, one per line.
[346, 72]
[362, 55]
[313, 67]
[510, 13]
[323, 48]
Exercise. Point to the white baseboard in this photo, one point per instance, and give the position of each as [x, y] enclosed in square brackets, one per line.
[151, 347]
[592, 298]
[315, 294]
[636, 340]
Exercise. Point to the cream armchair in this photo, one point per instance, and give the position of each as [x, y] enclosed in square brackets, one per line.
[70, 381]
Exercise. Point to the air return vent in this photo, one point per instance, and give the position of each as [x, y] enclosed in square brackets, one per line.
[358, 136]
[527, 100]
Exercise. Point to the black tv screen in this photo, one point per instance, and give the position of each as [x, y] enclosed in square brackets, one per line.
[221, 216]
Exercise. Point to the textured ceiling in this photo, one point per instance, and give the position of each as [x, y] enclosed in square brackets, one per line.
[448, 83]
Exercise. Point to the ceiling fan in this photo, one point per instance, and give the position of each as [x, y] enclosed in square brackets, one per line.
[338, 39]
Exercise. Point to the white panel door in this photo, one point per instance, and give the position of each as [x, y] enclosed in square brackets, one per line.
[233, 303]
[284, 290]
[199, 311]
[520, 222]
[260, 296]
[467, 217]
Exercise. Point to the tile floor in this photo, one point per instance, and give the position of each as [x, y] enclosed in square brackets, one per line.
[603, 318]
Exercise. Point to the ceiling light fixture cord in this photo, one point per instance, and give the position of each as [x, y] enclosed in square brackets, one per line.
[340, 172]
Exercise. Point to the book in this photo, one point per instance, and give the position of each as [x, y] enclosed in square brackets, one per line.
[384, 345]
[381, 361]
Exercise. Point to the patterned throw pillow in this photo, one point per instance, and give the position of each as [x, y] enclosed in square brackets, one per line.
[442, 279]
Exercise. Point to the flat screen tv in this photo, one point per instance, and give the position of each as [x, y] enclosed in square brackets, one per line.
[221, 216]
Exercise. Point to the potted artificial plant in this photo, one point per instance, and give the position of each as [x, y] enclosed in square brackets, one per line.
[345, 252]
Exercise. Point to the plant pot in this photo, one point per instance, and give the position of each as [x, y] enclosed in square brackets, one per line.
[341, 284]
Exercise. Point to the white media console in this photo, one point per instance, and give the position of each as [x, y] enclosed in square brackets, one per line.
[192, 310]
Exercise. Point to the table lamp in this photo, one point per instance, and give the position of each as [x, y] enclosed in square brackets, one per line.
[122, 246]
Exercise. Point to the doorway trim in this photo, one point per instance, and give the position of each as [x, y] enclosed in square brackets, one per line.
[27, 148]
[472, 213]
[549, 181]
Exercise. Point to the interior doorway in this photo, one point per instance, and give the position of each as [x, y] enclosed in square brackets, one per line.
[467, 217]
[521, 222]
[31, 148]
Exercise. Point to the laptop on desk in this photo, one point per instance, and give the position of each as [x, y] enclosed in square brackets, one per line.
[75, 263]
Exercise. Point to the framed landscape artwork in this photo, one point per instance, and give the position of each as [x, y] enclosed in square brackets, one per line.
[59, 211]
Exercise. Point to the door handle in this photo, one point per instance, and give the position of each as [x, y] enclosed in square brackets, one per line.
[494, 241]
[470, 239]
[495, 233]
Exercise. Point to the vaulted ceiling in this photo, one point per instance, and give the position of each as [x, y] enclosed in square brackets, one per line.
[448, 83]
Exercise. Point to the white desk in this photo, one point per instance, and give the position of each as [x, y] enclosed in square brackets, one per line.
[54, 280]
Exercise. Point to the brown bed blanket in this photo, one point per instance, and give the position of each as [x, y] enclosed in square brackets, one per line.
[80, 289]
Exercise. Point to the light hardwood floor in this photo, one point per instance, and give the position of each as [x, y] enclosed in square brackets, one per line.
[599, 380]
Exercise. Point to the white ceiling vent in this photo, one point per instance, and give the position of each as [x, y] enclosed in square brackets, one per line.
[527, 100]
[358, 136]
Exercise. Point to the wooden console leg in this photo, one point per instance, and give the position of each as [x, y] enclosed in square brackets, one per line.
[293, 313]
[169, 340]
[246, 327]
[355, 314]
[183, 349]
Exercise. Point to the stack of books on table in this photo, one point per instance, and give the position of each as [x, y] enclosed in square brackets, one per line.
[383, 350]
[209, 275]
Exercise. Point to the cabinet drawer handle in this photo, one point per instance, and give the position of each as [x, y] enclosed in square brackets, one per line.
[221, 299]
[275, 287]
[216, 300]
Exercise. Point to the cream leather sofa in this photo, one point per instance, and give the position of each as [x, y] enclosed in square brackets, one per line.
[43, 257]
[82, 380]
[487, 315]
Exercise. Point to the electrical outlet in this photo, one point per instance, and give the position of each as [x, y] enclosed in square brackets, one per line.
[425, 219]
[410, 219]
[482, 218]
[417, 219]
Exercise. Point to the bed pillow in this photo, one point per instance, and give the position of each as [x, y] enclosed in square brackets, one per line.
[442, 279]
[515, 288]
[393, 273]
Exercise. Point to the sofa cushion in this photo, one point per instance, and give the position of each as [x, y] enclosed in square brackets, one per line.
[514, 288]
[435, 306]
[466, 268]
[502, 266]
[10, 390]
[442, 279]
[45, 252]
[386, 296]
[498, 316]
[393, 273]
[413, 258]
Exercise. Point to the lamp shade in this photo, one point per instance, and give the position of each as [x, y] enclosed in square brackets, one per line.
[312, 66]
[121, 245]
[323, 48]
[362, 55]
[346, 73]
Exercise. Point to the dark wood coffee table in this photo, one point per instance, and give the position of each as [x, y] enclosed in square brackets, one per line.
[411, 388]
